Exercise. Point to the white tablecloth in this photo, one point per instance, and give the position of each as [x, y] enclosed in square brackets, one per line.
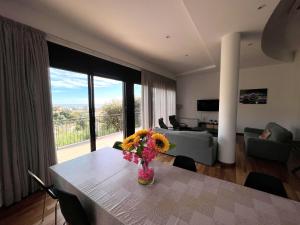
[107, 187]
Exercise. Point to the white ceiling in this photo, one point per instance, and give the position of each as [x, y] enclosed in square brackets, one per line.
[195, 28]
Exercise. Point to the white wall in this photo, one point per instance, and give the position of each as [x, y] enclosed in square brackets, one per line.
[283, 106]
[282, 99]
[191, 88]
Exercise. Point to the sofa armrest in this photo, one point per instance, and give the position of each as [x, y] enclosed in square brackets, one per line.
[267, 149]
[253, 130]
[183, 125]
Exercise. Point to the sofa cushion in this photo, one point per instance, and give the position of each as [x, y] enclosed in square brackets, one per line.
[190, 133]
[203, 136]
[248, 135]
[265, 134]
[200, 146]
[181, 132]
[279, 133]
[160, 130]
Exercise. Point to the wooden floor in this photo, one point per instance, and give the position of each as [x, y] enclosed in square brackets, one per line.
[29, 210]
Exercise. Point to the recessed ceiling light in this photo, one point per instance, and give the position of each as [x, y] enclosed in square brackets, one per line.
[250, 44]
[168, 36]
[261, 6]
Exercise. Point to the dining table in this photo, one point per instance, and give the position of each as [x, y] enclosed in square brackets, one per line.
[107, 188]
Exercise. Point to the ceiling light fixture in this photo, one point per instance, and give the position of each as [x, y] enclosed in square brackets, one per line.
[261, 6]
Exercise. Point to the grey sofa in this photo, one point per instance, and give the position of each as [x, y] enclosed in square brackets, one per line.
[277, 147]
[200, 146]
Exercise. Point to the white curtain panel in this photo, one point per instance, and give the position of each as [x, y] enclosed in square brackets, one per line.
[158, 99]
[147, 102]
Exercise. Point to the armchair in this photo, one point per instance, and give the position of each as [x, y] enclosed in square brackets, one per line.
[277, 147]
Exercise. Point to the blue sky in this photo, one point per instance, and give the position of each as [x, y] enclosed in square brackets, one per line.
[71, 88]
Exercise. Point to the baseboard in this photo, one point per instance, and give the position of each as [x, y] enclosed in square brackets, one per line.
[226, 164]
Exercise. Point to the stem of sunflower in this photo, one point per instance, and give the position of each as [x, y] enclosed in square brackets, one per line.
[145, 165]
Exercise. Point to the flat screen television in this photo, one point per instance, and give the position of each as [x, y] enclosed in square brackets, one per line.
[211, 105]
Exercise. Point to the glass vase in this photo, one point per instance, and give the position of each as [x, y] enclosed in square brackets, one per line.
[145, 173]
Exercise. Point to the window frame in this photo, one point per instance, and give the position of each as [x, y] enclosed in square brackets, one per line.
[61, 57]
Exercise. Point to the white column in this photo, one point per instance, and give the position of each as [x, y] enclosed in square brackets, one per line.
[229, 81]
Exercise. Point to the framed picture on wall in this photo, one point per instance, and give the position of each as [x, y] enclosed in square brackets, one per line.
[254, 96]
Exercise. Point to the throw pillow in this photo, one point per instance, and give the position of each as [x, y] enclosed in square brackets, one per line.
[265, 134]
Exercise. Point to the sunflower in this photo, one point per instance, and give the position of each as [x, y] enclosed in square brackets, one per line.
[161, 142]
[136, 140]
[142, 133]
[128, 142]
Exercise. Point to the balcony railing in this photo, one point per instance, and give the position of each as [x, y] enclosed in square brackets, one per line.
[72, 131]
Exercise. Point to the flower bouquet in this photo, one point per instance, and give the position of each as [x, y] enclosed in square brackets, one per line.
[141, 148]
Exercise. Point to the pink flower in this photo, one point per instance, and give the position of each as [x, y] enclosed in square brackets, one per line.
[136, 159]
[148, 154]
[146, 174]
[149, 134]
[151, 143]
[127, 156]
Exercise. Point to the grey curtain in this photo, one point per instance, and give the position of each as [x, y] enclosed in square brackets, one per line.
[26, 130]
[158, 99]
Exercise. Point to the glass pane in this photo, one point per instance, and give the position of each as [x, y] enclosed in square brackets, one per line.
[137, 106]
[108, 111]
[70, 113]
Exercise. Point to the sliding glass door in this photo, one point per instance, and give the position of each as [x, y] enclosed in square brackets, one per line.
[70, 100]
[137, 106]
[91, 112]
[108, 102]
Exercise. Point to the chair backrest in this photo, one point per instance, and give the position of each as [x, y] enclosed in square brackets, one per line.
[37, 179]
[185, 162]
[162, 124]
[71, 208]
[266, 183]
[42, 184]
[279, 133]
[117, 145]
[174, 122]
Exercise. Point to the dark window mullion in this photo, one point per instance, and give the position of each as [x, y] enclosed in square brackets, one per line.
[128, 102]
[92, 112]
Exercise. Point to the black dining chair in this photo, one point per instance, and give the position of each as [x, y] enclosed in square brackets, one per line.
[162, 124]
[176, 125]
[266, 183]
[117, 145]
[50, 190]
[71, 208]
[185, 162]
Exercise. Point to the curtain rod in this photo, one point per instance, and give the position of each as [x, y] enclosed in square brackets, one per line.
[75, 46]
